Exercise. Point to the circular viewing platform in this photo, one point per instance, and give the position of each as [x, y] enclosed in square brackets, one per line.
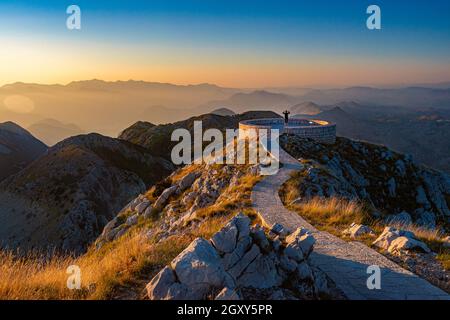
[319, 130]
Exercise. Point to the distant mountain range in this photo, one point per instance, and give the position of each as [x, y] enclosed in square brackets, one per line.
[52, 131]
[86, 103]
[305, 108]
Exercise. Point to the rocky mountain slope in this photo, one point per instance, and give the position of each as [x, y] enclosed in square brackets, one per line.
[157, 138]
[394, 186]
[241, 261]
[65, 198]
[17, 148]
[423, 133]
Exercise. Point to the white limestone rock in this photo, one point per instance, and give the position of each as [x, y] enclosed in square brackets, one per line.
[141, 207]
[132, 220]
[158, 288]
[199, 268]
[400, 244]
[225, 240]
[162, 199]
[396, 241]
[240, 266]
[261, 273]
[235, 262]
[356, 230]
[188, 180]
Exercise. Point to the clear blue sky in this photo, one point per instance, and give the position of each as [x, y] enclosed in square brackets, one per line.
[228, 42]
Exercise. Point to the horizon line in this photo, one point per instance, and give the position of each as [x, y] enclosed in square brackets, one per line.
[306, 87]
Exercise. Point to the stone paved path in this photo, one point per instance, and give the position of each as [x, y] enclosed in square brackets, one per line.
[344, 262]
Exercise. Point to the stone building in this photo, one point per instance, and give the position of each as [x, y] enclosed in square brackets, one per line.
[318, 130]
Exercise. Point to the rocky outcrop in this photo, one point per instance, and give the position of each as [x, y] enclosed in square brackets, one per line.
[397, 242]
[395, 187]
[241, 262]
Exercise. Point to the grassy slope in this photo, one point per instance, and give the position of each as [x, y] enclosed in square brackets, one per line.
[119, 269]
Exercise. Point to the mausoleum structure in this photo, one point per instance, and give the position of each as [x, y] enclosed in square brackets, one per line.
[322, 131]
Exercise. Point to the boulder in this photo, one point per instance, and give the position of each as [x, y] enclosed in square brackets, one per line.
[140, 208]
[293, 251]
[239, 267]
[122, 230]
[148, 212]
[259, 237]
[287, 263]
[240, 263]
[225, 240]
[304, 272]
[188, 180]
[162, 199]
[242, 223]
[109, 227]
[261, 273]
[158, 288]
[279, 230]
[407, 244]
[230, 259]
[199, 267]
[396, 241]
[306, 243]
[356, 230]
[131, 221]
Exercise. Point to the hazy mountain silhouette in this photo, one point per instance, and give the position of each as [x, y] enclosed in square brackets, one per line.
[18, 148]
[52, 131]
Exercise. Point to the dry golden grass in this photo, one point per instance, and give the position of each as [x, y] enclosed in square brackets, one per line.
[332, 214]
[32, 277]
[102, 271]
[425, 234]
[118, 264]
[444, 258]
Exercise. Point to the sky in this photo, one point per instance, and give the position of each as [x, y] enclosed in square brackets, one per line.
[245, 43]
